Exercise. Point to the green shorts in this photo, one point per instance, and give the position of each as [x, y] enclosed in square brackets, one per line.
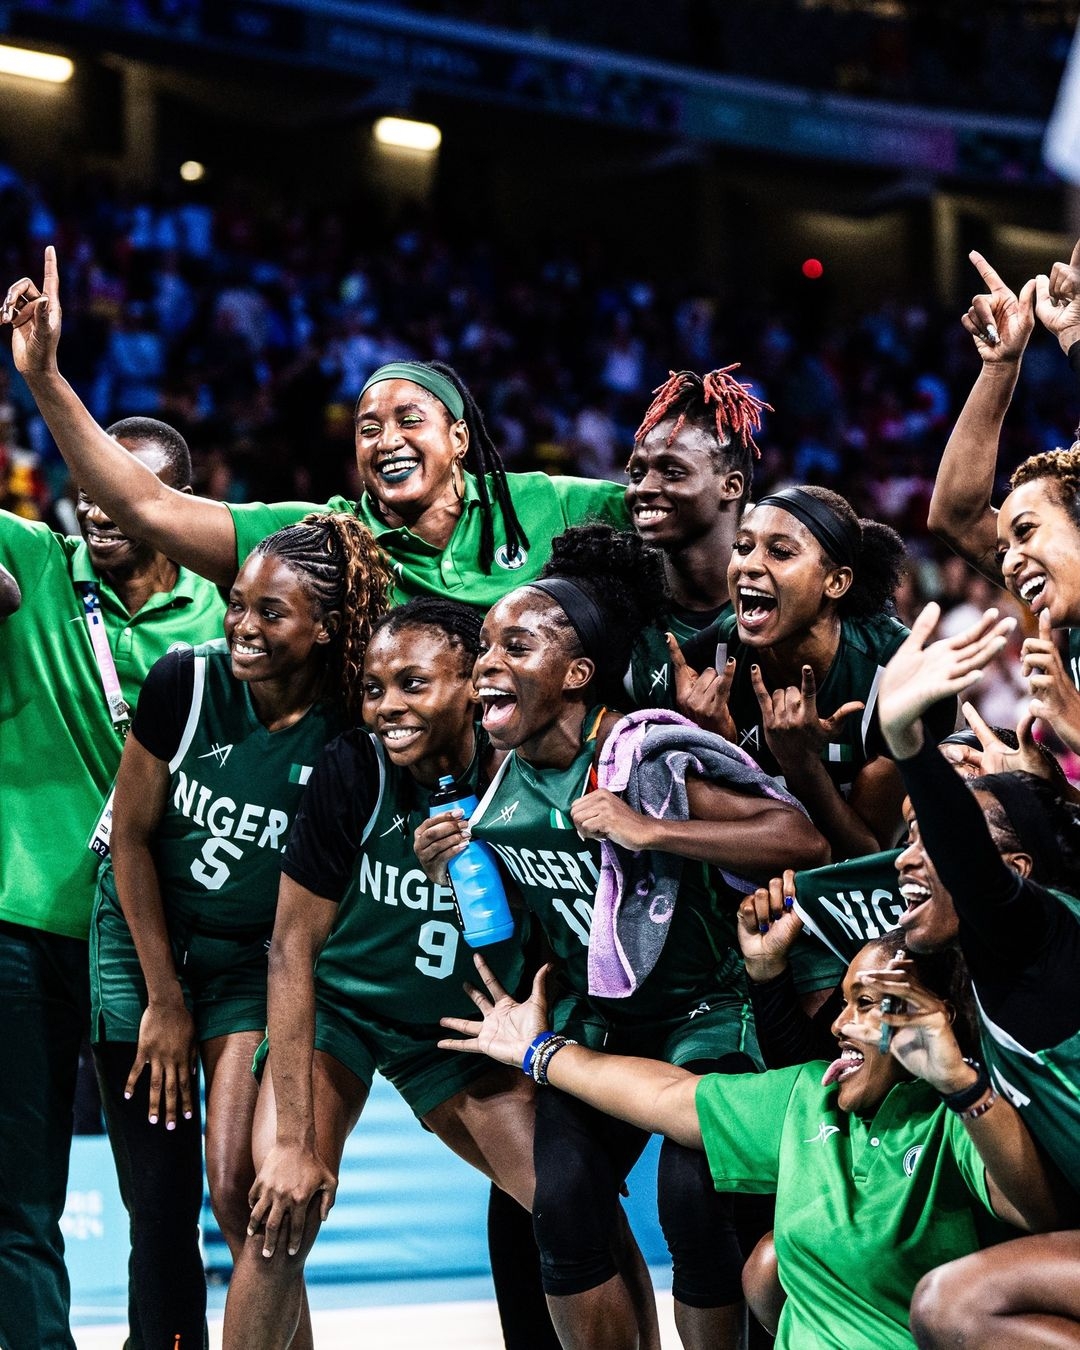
[405, 1055]
[711, 1028]
[223, 978]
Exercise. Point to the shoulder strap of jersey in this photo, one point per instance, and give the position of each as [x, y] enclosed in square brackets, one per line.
[380, 759]
[198, 688]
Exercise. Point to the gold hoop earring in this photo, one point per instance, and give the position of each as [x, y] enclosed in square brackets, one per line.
[457, 478]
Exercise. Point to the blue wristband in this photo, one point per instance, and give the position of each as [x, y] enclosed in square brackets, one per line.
[530, 1054]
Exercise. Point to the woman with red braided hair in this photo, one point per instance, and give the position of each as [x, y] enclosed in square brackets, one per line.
[689, 478]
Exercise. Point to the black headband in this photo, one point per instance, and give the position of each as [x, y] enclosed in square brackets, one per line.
[965, 737]
[580, 608]
[841, 539]
[1027, 816]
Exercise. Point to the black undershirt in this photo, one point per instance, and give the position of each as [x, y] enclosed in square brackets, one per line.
[1021, 944]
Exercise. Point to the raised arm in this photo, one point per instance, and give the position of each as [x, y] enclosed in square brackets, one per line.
[960, 510]
[194, 531]
[166, 1032]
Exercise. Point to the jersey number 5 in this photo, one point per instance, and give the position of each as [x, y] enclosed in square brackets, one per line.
[209, 870]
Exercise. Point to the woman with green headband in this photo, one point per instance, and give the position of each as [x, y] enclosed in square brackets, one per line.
[446, 531]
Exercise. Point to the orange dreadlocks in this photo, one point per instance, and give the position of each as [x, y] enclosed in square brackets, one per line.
[737, 412]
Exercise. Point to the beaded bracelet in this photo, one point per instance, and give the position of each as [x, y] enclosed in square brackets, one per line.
[530, 1054]
[545, 1055]
[966, 1097]
[980, 1108]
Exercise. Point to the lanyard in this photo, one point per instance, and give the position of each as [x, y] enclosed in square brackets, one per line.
[119, 711]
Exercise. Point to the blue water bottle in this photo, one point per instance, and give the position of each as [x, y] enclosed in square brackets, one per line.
[474, 875]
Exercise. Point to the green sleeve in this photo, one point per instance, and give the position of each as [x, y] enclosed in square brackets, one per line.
[26, 547]
[972, 1168]
[742, 1123]
[591, 499]
[253, 521]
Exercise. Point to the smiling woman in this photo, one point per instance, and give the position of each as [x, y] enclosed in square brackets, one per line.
[551, 653]
[444, 529]
[223, 741]
[812, 629]
[883, 1166]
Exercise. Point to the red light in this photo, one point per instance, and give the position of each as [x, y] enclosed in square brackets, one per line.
[812, 269]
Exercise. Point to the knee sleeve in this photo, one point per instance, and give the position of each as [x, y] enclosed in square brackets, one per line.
[699, 1224]
[581, 1159]
[699, 1229]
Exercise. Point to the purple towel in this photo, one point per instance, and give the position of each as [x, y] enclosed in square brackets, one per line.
[645, 761]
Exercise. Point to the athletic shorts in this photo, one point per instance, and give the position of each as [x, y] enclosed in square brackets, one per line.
[405, 1055]
[223, 978]
[711, 1028]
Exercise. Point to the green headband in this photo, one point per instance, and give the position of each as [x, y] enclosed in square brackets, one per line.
[426, 378]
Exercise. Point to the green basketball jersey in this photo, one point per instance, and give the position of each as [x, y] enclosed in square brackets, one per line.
[866, 645]
[650, 680]
[233, 791]
[1043, 1085]
[1074, 656]
[525, 816]
[396, 946]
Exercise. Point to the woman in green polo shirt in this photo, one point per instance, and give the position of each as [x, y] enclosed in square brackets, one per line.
[884, 1166]
[224, 738]
[445, 530]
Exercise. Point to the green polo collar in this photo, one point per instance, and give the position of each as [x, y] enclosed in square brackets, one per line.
[82, 572]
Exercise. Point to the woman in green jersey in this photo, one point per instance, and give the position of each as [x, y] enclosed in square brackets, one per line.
[688, 479]
[551, 653]
[223, 741]
[813, 626]
[366, 952]
[446, 530]
[883, 1166]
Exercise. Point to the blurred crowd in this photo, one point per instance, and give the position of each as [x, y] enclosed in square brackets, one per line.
[252, 332]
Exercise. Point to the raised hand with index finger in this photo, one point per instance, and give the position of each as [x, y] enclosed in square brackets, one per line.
[34, 317]
[999, 320]
[789, 716]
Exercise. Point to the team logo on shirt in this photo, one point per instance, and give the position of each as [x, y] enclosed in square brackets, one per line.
[824, 1134]
[752, 737]
[658, 677]
[511, 561]
[911, 1157]
[398, 823]
[506, 815]
[219, 752]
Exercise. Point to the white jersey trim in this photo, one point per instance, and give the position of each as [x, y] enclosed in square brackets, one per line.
[198, 688]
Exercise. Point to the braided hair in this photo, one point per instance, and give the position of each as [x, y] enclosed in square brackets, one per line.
[339, 564]
[460, 624]
[716, 402]
[1063, 466]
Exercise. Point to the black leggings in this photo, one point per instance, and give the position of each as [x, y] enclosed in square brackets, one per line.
[582, 1158]
[161, 1183]
[515, 1272]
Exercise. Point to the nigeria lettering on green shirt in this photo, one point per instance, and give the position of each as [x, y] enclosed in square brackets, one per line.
[545, 507]
[58, 746]
[848, 904]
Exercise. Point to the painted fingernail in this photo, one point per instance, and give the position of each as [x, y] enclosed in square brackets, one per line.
[789, 900]
[153, 1120]
[127, 1096]
[991, 334]
[171, 1125]
[188, 1115]
[763, 927]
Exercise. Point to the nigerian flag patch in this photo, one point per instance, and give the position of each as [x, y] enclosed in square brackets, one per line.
[299, 773]
[839, 753]
[559, 821]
